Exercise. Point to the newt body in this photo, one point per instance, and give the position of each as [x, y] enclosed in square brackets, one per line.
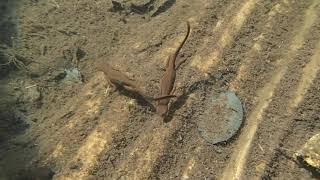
[116, 77]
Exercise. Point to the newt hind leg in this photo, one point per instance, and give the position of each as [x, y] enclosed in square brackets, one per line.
[111, 84]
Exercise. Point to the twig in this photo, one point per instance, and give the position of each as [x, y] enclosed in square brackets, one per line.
[30, 86]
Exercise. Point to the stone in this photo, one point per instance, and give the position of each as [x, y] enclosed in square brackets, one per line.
[31, 94]
[309, 154]
[221, 119]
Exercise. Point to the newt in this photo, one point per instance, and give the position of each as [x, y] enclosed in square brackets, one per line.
[117, 78]
[167, 81]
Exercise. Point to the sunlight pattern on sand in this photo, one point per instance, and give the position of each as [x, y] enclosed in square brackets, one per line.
[146, 150]
[235, 168]
[242, 73]
[98, 140]
[227, 37]
[256, 48]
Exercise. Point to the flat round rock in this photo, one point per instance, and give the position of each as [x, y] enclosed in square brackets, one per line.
[222, 119]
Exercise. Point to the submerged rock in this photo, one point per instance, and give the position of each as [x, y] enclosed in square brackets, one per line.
[309, 154]
[73, 76]
[32, 94]
[222, 119]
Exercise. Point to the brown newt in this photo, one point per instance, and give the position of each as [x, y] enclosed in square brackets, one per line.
[167, 81]
[116, 77]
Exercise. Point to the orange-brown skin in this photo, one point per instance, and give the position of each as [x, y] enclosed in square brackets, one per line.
[116, 77]
[168, 79]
